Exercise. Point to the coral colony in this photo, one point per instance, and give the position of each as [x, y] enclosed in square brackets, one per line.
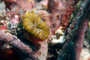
[43, 29]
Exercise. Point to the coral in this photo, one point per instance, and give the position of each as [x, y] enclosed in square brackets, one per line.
[43, 29]
[76, 33]
[19, 4]
[33, 24]
[9, 21]
[53, 5]
[17, 44]
[80, 39]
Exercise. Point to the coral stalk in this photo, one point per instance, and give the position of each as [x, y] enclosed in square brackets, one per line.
[74, 31]
[19, 4]
[79, 19]
[80, 38]
[20, 47]
[53, 5]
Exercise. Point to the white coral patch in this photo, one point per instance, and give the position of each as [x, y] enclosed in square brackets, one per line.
[59, 40]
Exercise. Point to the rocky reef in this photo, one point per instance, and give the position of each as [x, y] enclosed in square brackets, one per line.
[44, 29]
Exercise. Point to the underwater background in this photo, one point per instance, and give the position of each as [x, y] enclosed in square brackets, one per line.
[44, 29]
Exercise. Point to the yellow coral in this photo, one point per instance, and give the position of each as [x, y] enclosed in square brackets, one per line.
[33, 24]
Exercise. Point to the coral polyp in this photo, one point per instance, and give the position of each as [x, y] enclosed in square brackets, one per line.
[33, 24]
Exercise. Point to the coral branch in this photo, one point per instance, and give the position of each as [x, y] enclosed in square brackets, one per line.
[79, 19]
[19, 4]
[20, 47]
[53, 5]
[75, 30]
[80, 38]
